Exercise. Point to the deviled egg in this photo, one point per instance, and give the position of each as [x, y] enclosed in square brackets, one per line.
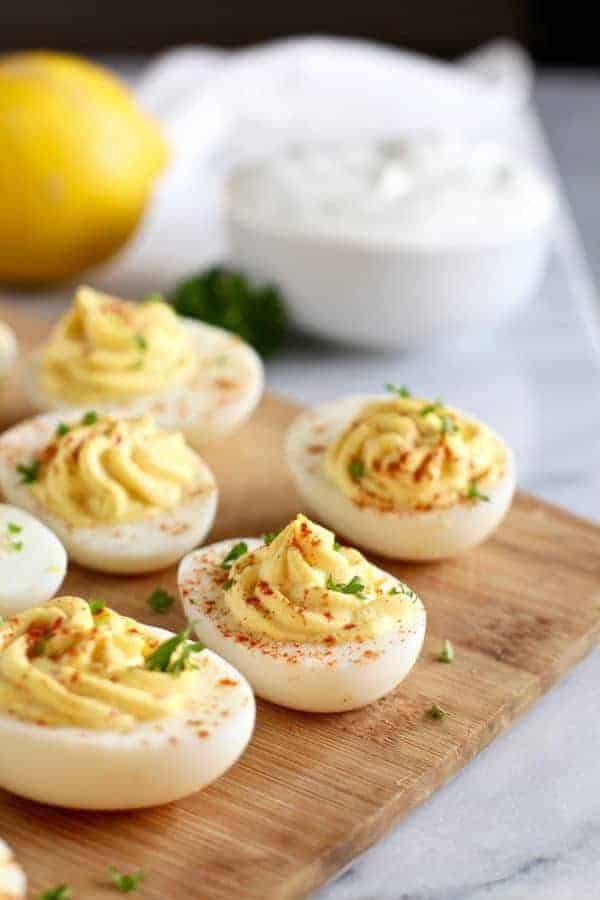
[402, 476]
[98, 711]
[33, 562]
[13, 884]
[123, 495]
[311, 624]
[108, 353]
[8, 349]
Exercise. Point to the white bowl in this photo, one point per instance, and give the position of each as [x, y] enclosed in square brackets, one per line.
[384, 290]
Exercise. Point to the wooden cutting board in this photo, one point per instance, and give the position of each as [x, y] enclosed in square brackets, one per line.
[312, 791]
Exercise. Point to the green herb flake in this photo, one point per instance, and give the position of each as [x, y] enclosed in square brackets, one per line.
[356, 469]
[16, 546]
[90, 418]
[432, 407]
[401, 391]
[39, 647]
[394, 590]
[62, 892]
[436, 712]
[449, 426]
[61, 429]
[173, 654]
[96, 606]
[447, 654]
[13, 528]
[29, 471]
[271, 535]
[354, 586]
[160, 600]
[473, 493]
[126, 883]
[337, 546]
[141, 341]
[236, 551]
[228, 584]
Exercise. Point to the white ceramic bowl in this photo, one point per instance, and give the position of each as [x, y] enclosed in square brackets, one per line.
[387, 291]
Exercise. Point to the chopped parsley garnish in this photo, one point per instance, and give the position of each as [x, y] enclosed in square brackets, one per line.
[337, 546]
[271, 535]
[61, 429]
[236, 551]
[90, 418]
[39, 647]
[449, 426]
[16, 546]
[354, 586]
[29, 471]
[13, 528]
[394, 590]
[160, 600]
[62, 892]
[436, 712]
[474, 493]
[126, 883]
[356, 469]
[432, 407]
[228, 584]
[447, 654]
[401, 391]
[172, 655]
[96, 606]
[141, 341]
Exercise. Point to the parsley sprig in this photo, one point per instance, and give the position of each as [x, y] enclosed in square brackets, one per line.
[473, 493]
[400, 390]
[29, 471]
[160, 600]
[432, 407]
[271, 535]
[61, 892]
[173, 654]
[355, 586]
[89, 418]
[436, 712]
[447, 654]
[96, 606]
[126, 883]
[356, 469]
[239, 549]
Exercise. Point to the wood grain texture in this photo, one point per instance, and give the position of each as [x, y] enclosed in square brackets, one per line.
[312, 791]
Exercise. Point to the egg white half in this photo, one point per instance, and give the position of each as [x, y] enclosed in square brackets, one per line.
[154, 763]
[222, 394]
[404, 534]
[149, 544]
[13, 884]
[33, 562]
[8, 349]
[320, 678]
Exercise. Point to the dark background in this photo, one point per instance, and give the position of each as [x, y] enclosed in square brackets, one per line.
[555, 32]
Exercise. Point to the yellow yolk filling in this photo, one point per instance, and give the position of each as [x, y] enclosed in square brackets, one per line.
[62, 665]
[304, 587]
[408, 453]
[115, 471]
[107, 349]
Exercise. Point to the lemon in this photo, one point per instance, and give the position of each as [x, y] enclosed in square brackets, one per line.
[78, 159]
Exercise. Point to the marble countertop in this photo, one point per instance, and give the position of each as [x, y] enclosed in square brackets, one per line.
[522, 821]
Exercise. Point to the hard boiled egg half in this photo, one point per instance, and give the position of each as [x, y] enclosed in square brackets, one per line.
[402, 476]
[33, 562]
[123, 495]
[107, 353]
[98, 711]
[311, 624]
[13, 884]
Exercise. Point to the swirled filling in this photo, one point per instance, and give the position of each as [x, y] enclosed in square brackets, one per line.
[109, 349]
[116, 470]
[303, 586]
[407, 453]
[72, 663]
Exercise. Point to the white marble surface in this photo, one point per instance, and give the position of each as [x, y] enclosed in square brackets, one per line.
[522, 821]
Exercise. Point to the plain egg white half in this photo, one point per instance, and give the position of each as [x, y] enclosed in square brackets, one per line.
[154, 763]
[221, 395]
[146, 545]
[33, 562]
[314, 677]
[401, 534]
[13, 884]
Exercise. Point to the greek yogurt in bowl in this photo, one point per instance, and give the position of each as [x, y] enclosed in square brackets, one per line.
[392, 243]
